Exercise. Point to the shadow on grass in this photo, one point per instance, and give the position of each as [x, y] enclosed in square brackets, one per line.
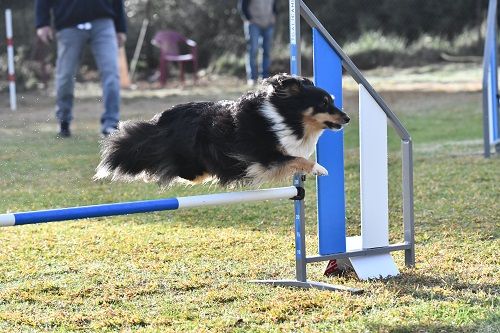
[489, 325]
[441, 288]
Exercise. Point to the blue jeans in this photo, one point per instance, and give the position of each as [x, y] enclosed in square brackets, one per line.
[70, 42]
[253, 35]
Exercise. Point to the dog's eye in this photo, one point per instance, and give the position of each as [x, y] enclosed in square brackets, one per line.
[325, 103]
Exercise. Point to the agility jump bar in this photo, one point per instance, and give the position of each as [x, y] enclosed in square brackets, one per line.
[134, 207]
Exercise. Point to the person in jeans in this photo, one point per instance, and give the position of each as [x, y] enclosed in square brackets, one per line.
[259, 17]
[101, 24]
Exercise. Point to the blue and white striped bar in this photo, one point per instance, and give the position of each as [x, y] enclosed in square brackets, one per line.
[134, 207]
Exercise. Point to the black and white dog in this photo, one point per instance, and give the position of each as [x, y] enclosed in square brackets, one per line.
[265, 135]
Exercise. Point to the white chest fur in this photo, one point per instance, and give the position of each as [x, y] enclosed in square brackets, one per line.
[303, 147]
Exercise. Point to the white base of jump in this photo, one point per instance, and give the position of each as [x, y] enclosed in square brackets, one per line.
[367, 267]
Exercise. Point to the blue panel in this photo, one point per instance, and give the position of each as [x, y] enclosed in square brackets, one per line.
[74, 213]
[330, 154]
[494, 88]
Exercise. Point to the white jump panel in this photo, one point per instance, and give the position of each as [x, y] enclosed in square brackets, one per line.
[369, 267]
[373, 172]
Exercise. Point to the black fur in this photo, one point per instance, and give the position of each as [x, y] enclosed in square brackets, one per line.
[220, 139]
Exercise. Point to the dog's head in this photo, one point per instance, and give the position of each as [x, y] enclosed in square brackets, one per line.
[298, 96]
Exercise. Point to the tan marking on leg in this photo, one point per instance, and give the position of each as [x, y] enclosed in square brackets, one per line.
[202, 178]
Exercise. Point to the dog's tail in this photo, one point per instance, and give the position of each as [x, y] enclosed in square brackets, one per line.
[132, 152]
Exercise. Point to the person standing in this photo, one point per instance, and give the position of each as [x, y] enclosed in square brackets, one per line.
[102, 25]
[259, 17]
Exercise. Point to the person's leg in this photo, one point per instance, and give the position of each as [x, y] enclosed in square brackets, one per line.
[105, 49]
[70, 42]
[252, 38]
[267, 44]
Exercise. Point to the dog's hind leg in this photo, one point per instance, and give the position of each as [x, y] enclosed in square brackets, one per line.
[205, 177]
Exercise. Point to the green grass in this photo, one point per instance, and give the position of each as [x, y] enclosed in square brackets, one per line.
[188, 270]
[372, 41]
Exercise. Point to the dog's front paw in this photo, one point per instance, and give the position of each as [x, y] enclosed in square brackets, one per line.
[319, 170]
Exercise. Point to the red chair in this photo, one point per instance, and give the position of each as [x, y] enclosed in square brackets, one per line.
[171, 44]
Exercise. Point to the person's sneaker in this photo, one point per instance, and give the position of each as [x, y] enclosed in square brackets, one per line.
[108, 131]
[64, 131]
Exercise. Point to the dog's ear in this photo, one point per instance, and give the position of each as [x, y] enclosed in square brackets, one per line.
[285, 83]
[306, 81]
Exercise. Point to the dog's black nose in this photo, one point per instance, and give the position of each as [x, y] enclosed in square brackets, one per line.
[347, 119]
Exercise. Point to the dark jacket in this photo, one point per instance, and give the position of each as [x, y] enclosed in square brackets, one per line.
[244, 9]
[69, 13]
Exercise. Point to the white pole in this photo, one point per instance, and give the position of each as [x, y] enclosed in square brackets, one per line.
[236, 197]
[138, 48]
[10, 59]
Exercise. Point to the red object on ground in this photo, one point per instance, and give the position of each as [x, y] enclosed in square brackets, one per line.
[332, 268]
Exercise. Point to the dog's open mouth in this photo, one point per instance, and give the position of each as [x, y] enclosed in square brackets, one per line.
[331, 125]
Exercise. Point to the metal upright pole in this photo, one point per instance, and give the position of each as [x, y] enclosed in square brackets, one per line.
[300, 233]
[295, 58]
[408, 209]
[298, 180]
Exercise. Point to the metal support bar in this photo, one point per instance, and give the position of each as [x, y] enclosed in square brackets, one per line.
[300, 233]
[408, 209]
[309, 285]
[298, 180]
[486, 123]
[364, 252]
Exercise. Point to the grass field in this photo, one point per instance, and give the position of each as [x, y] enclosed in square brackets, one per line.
[188, 270]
